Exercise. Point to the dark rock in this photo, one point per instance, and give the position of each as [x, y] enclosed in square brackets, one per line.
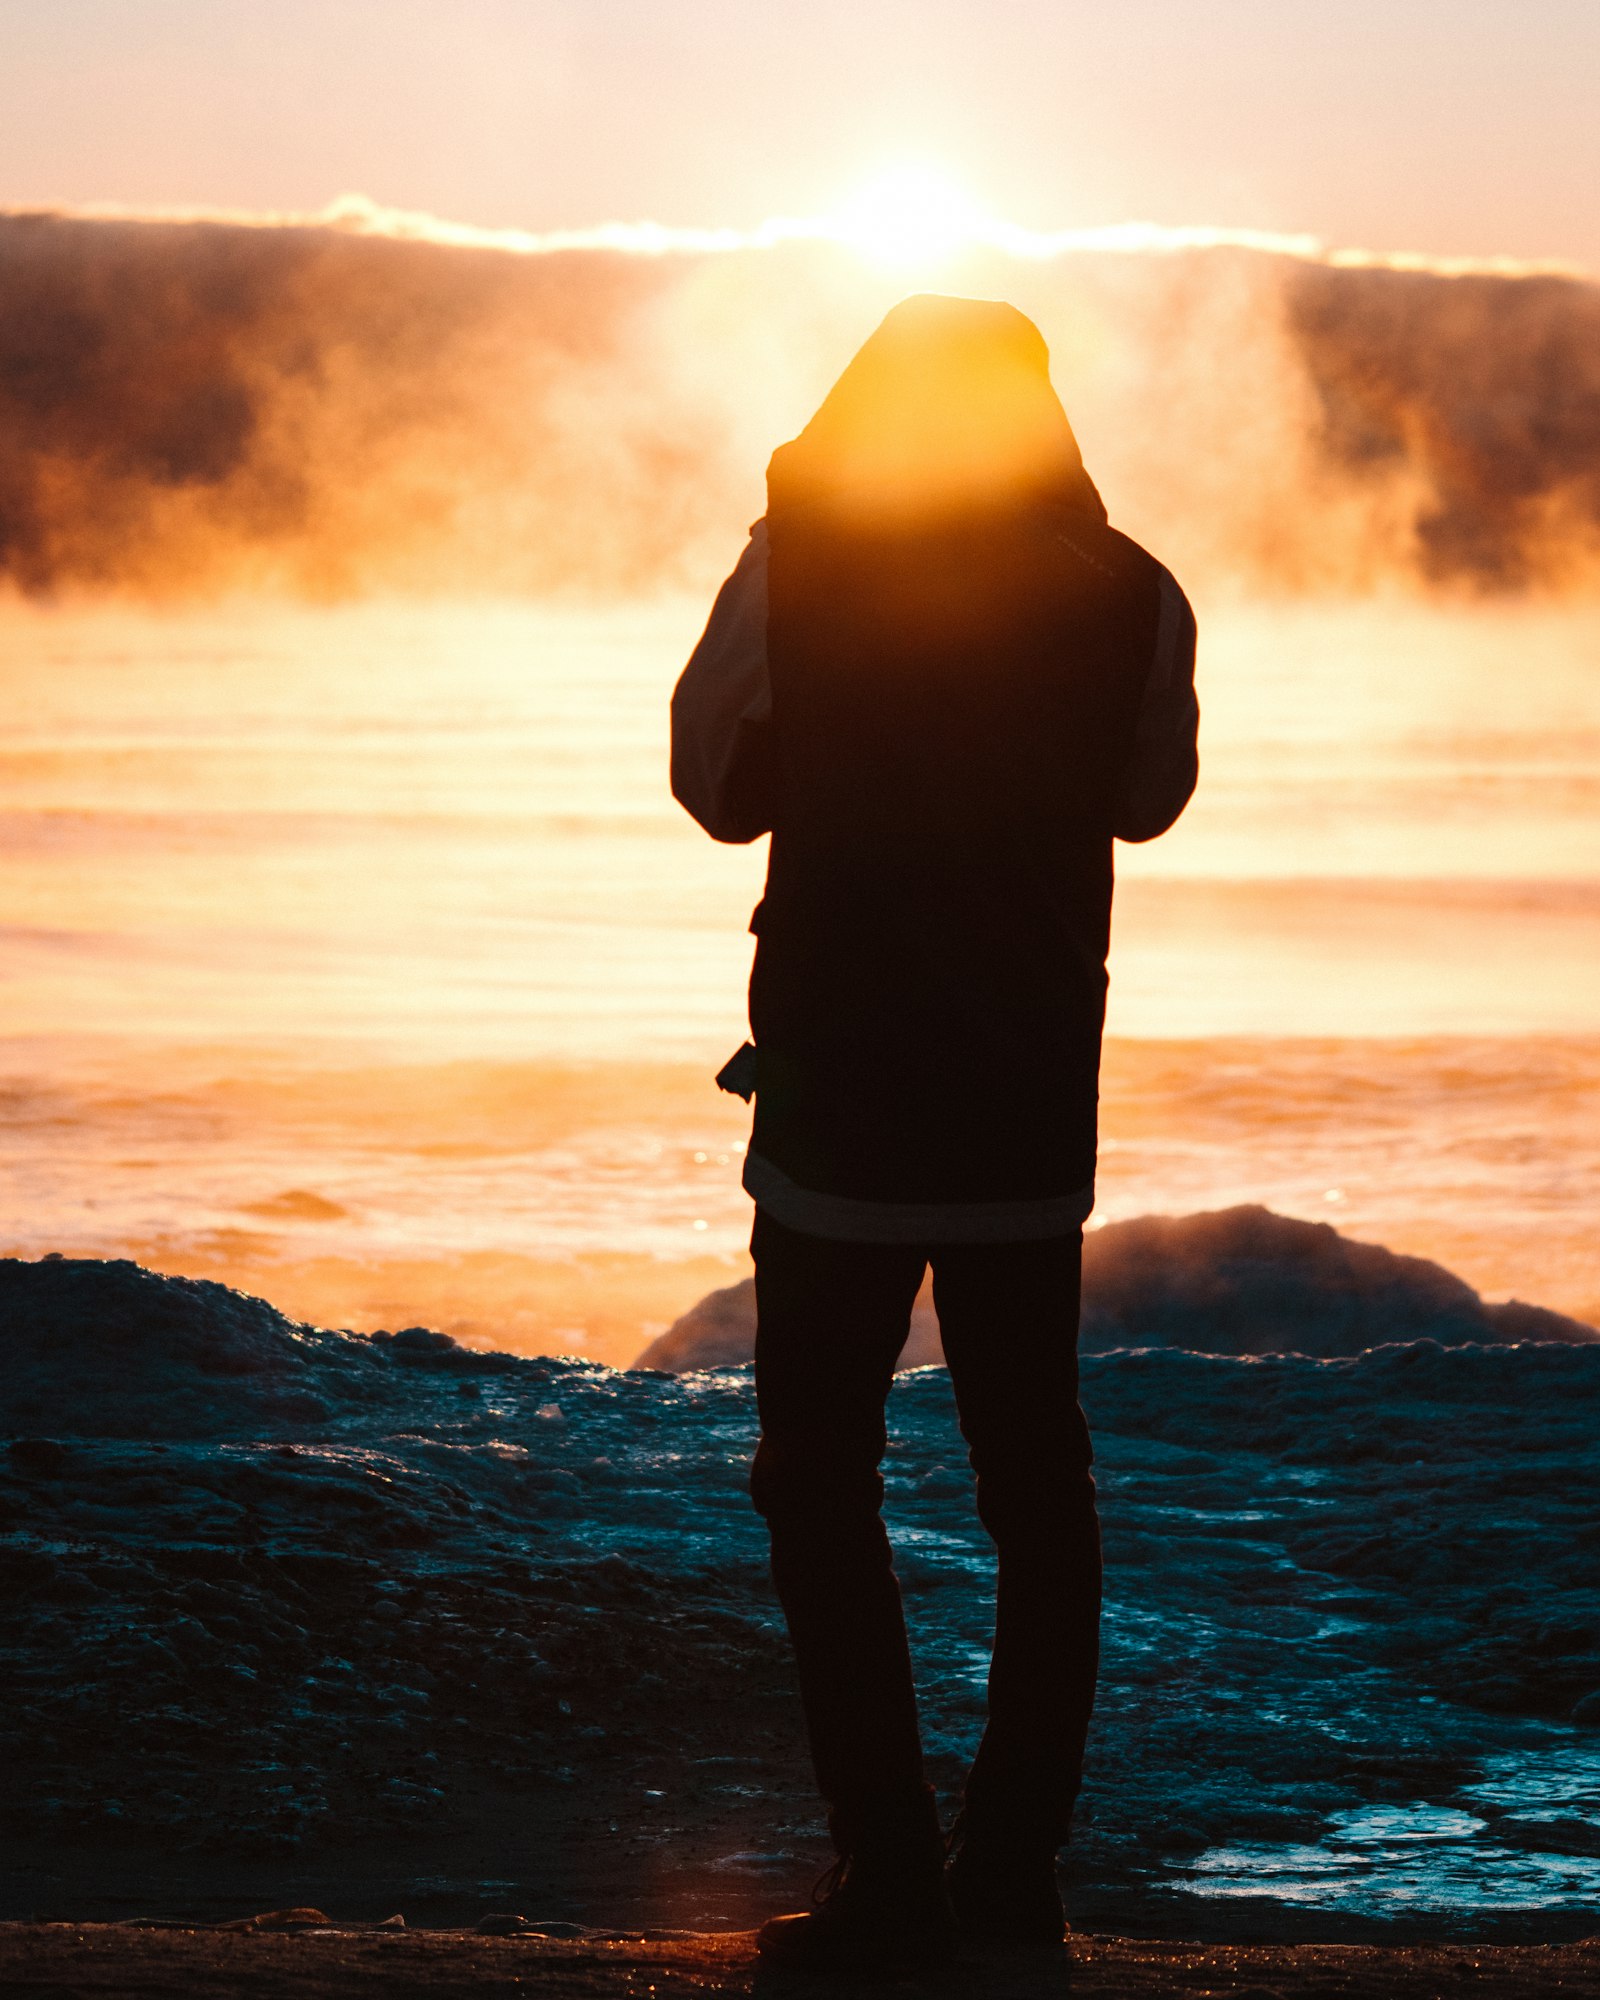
[1235, 1281]
[302, 1919]
[39, 1458]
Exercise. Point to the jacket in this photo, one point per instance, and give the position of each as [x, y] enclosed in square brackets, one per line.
[929, 988]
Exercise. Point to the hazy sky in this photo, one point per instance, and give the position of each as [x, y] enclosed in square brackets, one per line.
[1457, 126]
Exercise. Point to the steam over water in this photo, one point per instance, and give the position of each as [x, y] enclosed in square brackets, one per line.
[201, 405]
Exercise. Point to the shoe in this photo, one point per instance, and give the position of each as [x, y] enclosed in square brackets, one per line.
[1003, 1891]
[882, 1908]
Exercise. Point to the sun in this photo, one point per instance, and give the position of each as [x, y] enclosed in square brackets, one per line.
[912, 213]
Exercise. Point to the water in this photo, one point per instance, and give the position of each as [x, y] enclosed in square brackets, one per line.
[358, 956]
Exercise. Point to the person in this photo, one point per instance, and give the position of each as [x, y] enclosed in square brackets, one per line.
[944, 684]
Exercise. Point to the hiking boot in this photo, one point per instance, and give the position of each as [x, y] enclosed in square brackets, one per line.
[1003, 1891]
[882, 1908]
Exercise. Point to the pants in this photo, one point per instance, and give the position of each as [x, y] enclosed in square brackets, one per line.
[831, 1319]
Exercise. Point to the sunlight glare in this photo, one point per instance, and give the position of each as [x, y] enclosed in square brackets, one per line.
[913, 213]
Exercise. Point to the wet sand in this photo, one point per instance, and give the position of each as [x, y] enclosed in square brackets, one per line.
[106, 1960]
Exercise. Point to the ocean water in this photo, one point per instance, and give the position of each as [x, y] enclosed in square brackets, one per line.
[357, 955]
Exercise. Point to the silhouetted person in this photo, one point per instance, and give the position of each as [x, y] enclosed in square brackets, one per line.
[943, 683]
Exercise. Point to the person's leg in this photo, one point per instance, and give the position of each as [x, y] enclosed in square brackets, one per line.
[1008, 1316]
[831, 1319]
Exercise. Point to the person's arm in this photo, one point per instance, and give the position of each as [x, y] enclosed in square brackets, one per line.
[1165, 764]
[722, 709]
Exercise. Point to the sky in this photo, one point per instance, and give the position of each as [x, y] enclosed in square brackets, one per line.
[1458, 127]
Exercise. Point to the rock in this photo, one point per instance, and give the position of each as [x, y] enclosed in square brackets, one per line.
[1246, 1281]
[1234, 1281]
[40, 1458]
[720, 1332]
[282, 1920]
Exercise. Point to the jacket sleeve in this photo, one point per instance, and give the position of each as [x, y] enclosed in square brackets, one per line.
[722, 709]
[1165, 764]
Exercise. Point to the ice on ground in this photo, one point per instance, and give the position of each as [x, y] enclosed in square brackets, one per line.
[265, 1586]
[109, 1349]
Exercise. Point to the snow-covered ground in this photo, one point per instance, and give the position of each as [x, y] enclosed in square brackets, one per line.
[266, 1586]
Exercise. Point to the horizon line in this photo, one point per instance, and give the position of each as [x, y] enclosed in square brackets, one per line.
[359, 215]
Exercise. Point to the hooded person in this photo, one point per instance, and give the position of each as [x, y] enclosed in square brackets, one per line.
[945, 685]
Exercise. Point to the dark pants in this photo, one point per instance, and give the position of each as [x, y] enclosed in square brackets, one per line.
[831, 1320]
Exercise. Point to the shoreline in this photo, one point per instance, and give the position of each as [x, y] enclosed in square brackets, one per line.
[117, 1962]
[587, 1867]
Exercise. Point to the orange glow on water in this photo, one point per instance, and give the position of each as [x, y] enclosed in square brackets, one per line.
[360, 958]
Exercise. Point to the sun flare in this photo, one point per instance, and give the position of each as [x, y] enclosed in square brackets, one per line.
[911, 213]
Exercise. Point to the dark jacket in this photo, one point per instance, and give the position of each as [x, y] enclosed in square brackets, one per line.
[943, 721]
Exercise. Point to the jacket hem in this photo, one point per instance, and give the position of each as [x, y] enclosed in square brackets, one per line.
[849, 1220]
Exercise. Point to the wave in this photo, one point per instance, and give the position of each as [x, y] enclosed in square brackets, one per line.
[1235, 1281]
[364, 402]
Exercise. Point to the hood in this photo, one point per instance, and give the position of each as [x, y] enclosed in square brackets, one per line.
[946, 411]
